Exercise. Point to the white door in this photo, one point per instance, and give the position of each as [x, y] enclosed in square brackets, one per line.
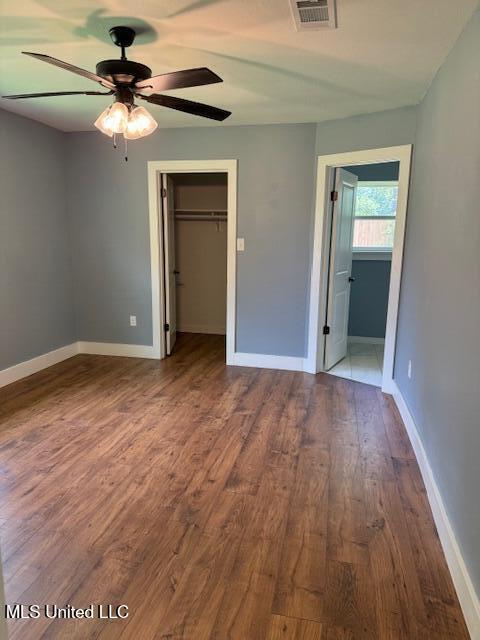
[340, 269]
[169, 269]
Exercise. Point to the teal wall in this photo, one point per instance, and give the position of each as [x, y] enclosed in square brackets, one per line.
[379, 171]
[369, 292]
[369, 298]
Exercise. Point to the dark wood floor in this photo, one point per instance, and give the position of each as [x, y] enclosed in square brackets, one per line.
[222, 503]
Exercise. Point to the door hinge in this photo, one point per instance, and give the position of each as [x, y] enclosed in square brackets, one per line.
[326, 330]
[166, 326]
[334, 196]
[164, 192]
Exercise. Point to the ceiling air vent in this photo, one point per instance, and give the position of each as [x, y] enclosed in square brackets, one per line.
[314, 14]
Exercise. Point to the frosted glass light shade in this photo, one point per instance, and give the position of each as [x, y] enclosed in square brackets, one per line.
[140, 124]
[113, 120]
[103, 124]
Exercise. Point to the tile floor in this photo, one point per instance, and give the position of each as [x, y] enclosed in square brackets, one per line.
[363, 363]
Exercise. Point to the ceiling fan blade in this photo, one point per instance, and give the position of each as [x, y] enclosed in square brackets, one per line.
[195, 108]
[180, 79]
[59, 93]
[70, 67]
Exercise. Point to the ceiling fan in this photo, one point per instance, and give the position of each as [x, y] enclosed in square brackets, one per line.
[128, 80]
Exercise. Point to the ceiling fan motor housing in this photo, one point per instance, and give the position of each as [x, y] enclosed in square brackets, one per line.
[125, 72]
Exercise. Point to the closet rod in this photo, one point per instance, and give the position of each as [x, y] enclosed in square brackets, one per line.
[201, 217]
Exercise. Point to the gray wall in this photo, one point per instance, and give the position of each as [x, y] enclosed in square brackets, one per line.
[36, 312]
[369, 298]
[108, 224]
[439, 322]
[371, 131]
[108, 211]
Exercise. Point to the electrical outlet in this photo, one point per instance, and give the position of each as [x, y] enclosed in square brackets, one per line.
[409, 370]
[133, 321]
[240, 244]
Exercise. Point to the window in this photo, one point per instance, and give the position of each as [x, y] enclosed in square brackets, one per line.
[375, 210]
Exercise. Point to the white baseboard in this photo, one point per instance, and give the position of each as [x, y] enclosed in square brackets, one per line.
[24, 369]
[365, 340]
[202, 328]
[114, 349]
[29, 367]
[261, 361]
[467, 596]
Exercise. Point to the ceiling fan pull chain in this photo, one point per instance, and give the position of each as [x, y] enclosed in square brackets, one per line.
[114, 140]
[126, 149]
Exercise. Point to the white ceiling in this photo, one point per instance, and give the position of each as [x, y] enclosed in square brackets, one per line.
[383, 55]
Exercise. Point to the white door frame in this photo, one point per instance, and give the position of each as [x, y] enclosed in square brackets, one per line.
[319, 273]
[155, 168]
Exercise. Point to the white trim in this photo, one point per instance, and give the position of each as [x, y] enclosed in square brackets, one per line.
[325, 164]
[155, 168]
[262, 361]
[467, 596]
[24, 369]
[365, 340]
[29, 367]
[215, 330]
[116, 349]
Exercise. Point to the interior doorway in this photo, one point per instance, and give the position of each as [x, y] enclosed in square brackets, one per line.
[362, 237]
[357, 262]
[195, 218]
[162, 246]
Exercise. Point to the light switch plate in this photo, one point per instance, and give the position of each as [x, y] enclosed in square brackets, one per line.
[240, 244]
[133, 321]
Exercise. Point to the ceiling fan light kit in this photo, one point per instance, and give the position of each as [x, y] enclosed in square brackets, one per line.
[134, 122]
[128, 80]
[113, 120]
[140, 124]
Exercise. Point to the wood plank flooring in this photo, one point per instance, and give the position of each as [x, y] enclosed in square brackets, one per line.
[217, 503]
